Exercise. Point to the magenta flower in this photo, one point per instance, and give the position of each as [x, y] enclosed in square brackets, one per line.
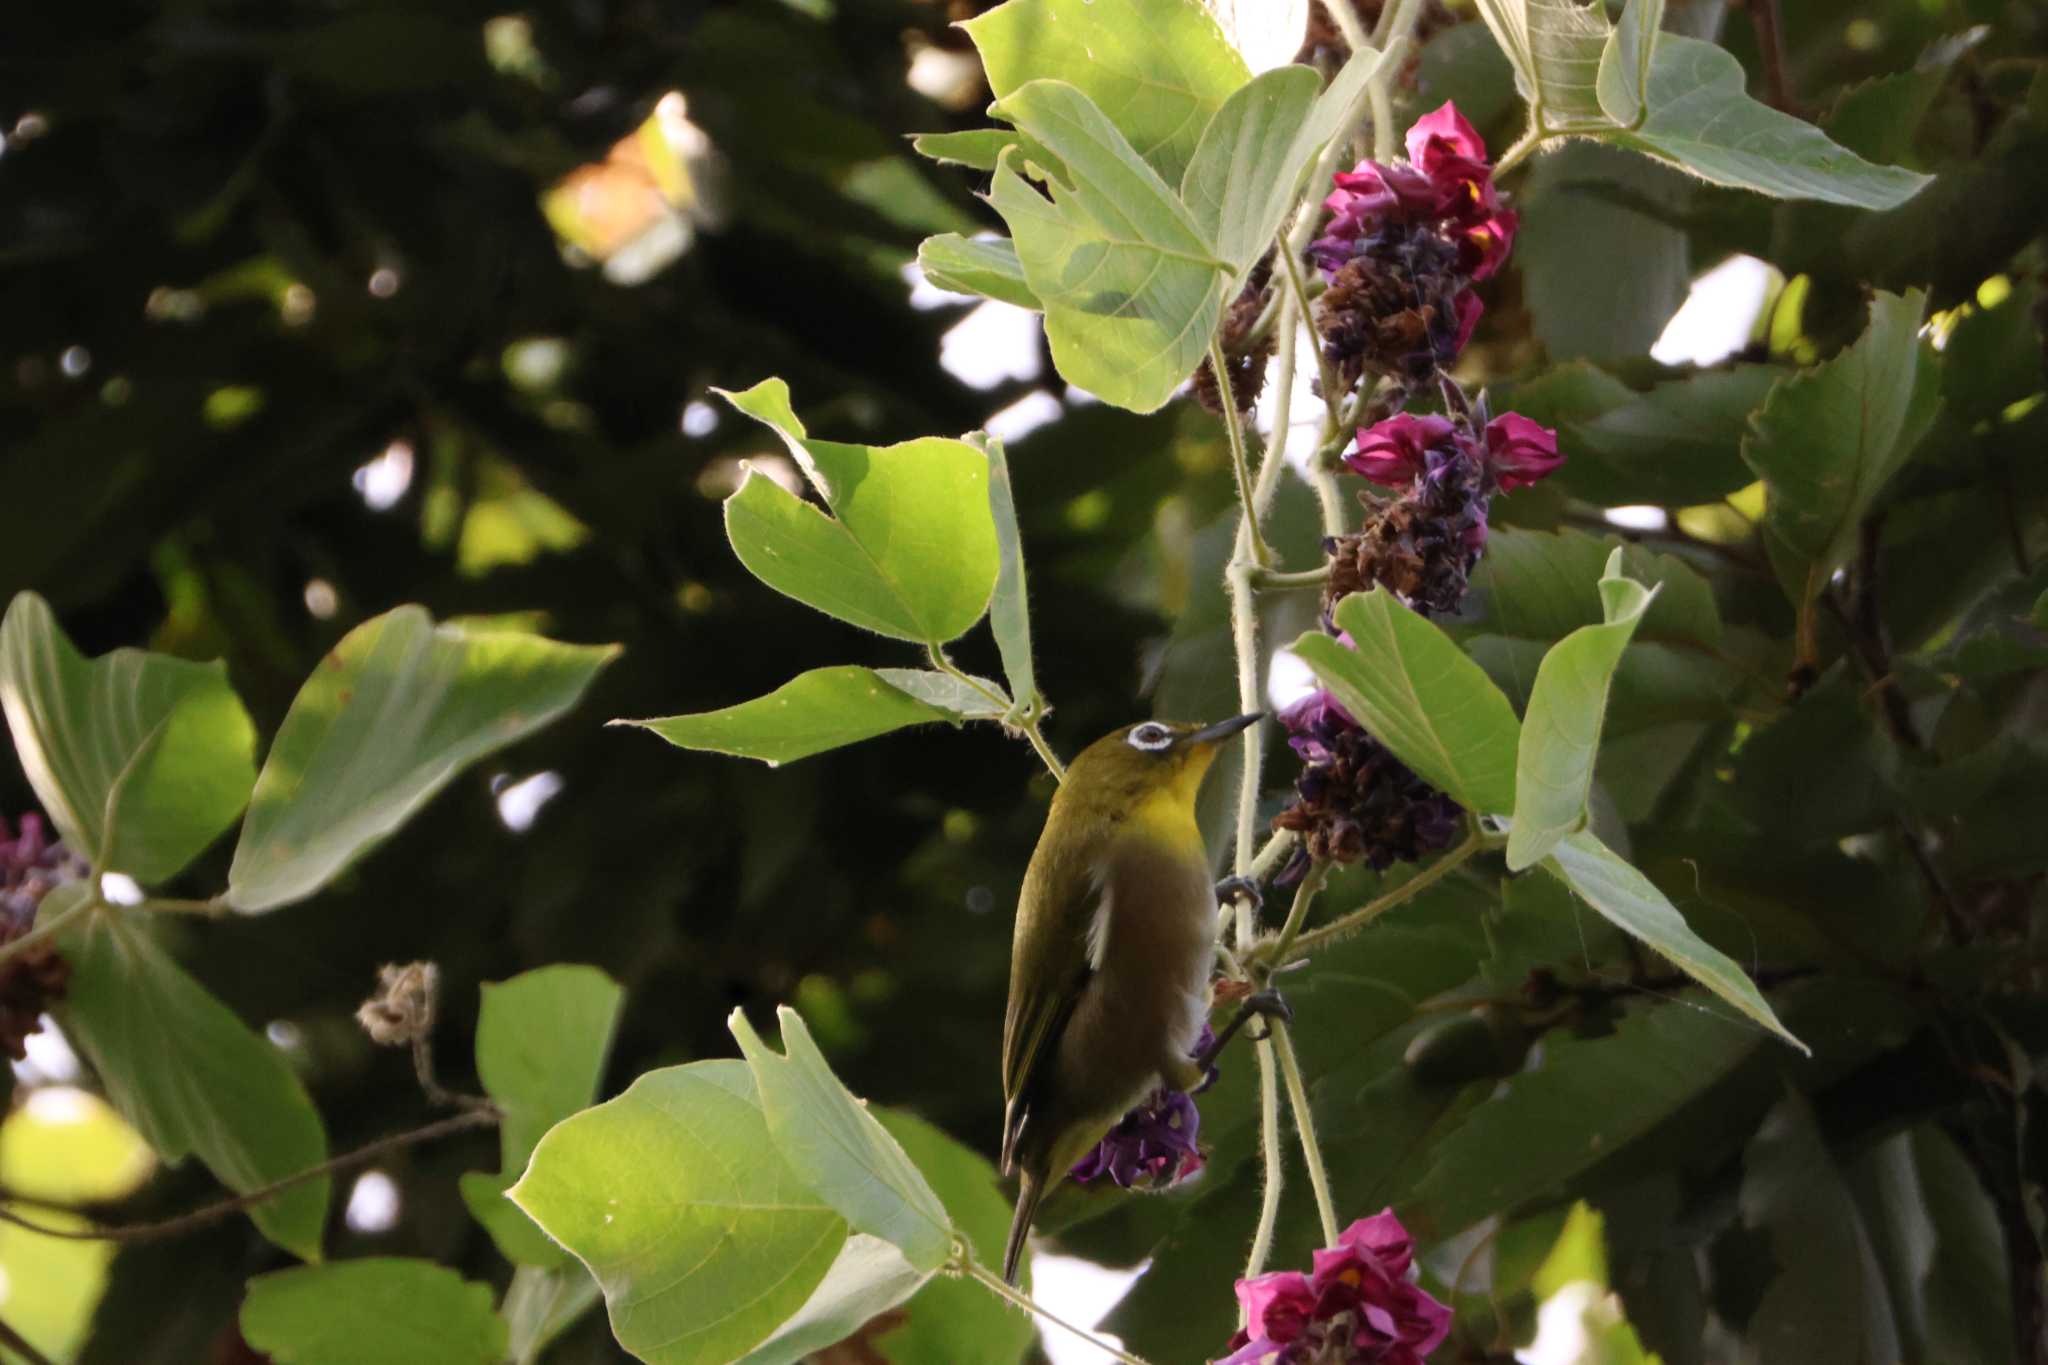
[1483, 245]
[1357, 1307]
[1395, 452]
[1446, 149]
[1519, 451]
[1469, 308]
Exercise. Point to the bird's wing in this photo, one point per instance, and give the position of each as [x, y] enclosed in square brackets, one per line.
[1068, 889]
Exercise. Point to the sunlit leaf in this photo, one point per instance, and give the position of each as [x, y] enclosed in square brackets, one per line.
[678, 1201]
[380, 1310]
[1009, 612]
[953, 1319]
[966, 265]
[823, 709]
[868, 1279]
[832, 1142]
[1158, 68]
[1248, 168]
[141, 760]
[541, 1043]
[191, 1077]
[909, 548]
[1131, 287]
[388, 717]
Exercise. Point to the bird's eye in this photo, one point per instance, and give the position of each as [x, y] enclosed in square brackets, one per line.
[1151, 737]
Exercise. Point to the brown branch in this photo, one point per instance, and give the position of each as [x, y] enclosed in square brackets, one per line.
[18, 1344]
[479, 1116]
[1769, 23]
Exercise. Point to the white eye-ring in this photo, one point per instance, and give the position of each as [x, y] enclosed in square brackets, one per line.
[1151, 737]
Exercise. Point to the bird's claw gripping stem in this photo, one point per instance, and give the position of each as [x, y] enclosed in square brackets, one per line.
[1267, 1003]
[1230, 888]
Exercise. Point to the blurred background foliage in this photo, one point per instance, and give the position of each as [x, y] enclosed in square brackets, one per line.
[315, 308]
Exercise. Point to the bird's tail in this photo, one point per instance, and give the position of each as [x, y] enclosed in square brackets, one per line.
[1028, 1194]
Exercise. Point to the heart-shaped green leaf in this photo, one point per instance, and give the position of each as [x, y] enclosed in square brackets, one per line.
[140, 759]
[1159, 68]
[909, 549]
[1131, 287]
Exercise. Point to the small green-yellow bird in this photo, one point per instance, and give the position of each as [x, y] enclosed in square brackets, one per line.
[1110, 964]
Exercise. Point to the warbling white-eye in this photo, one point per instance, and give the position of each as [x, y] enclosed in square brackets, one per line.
[1110, 963]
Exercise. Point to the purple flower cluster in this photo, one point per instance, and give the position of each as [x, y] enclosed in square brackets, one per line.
[31, 865]
[1153, 1146]
[1355, 801]
[1357, 1306]
[1423, 542]
[1403, 245]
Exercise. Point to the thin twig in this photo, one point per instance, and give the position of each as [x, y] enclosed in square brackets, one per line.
[1304, 895]
[479, 1117]
[17, 1343]
[1029, 725]
[989, 1280]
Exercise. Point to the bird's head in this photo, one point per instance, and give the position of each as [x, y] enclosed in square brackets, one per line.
[1152, 759]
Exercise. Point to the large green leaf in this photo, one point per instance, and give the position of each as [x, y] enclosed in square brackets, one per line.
[1159, 68]
[953, 1319]
[1626, 61]
[1132, 289]
[909, 549]
[141, 760]
[1601, 265]
[388, 717]
[1410, 684]
[1586, 1099]
[966, 265]
[1009, 612]
[1248, 168]
[832, 1142]
[1700, 119]
[1561, 729]
[675, 1197]
[869, 1278]
[191, 1077]
[1827, 440]
[380, 1310]
[1678, 444]
[1632, 902]
[815, 711]
[541, 1043]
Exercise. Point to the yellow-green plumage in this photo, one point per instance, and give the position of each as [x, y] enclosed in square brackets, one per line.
[1110, 964]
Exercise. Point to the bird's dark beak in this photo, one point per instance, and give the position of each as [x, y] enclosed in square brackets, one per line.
[1224, 729]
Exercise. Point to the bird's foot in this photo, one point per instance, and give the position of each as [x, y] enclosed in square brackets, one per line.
[1265, 1004]
[1230, 889]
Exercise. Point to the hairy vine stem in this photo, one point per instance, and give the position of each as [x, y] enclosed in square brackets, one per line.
[46, 928]
[1029, 725]
[1306, 945]
[1305, 1127]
